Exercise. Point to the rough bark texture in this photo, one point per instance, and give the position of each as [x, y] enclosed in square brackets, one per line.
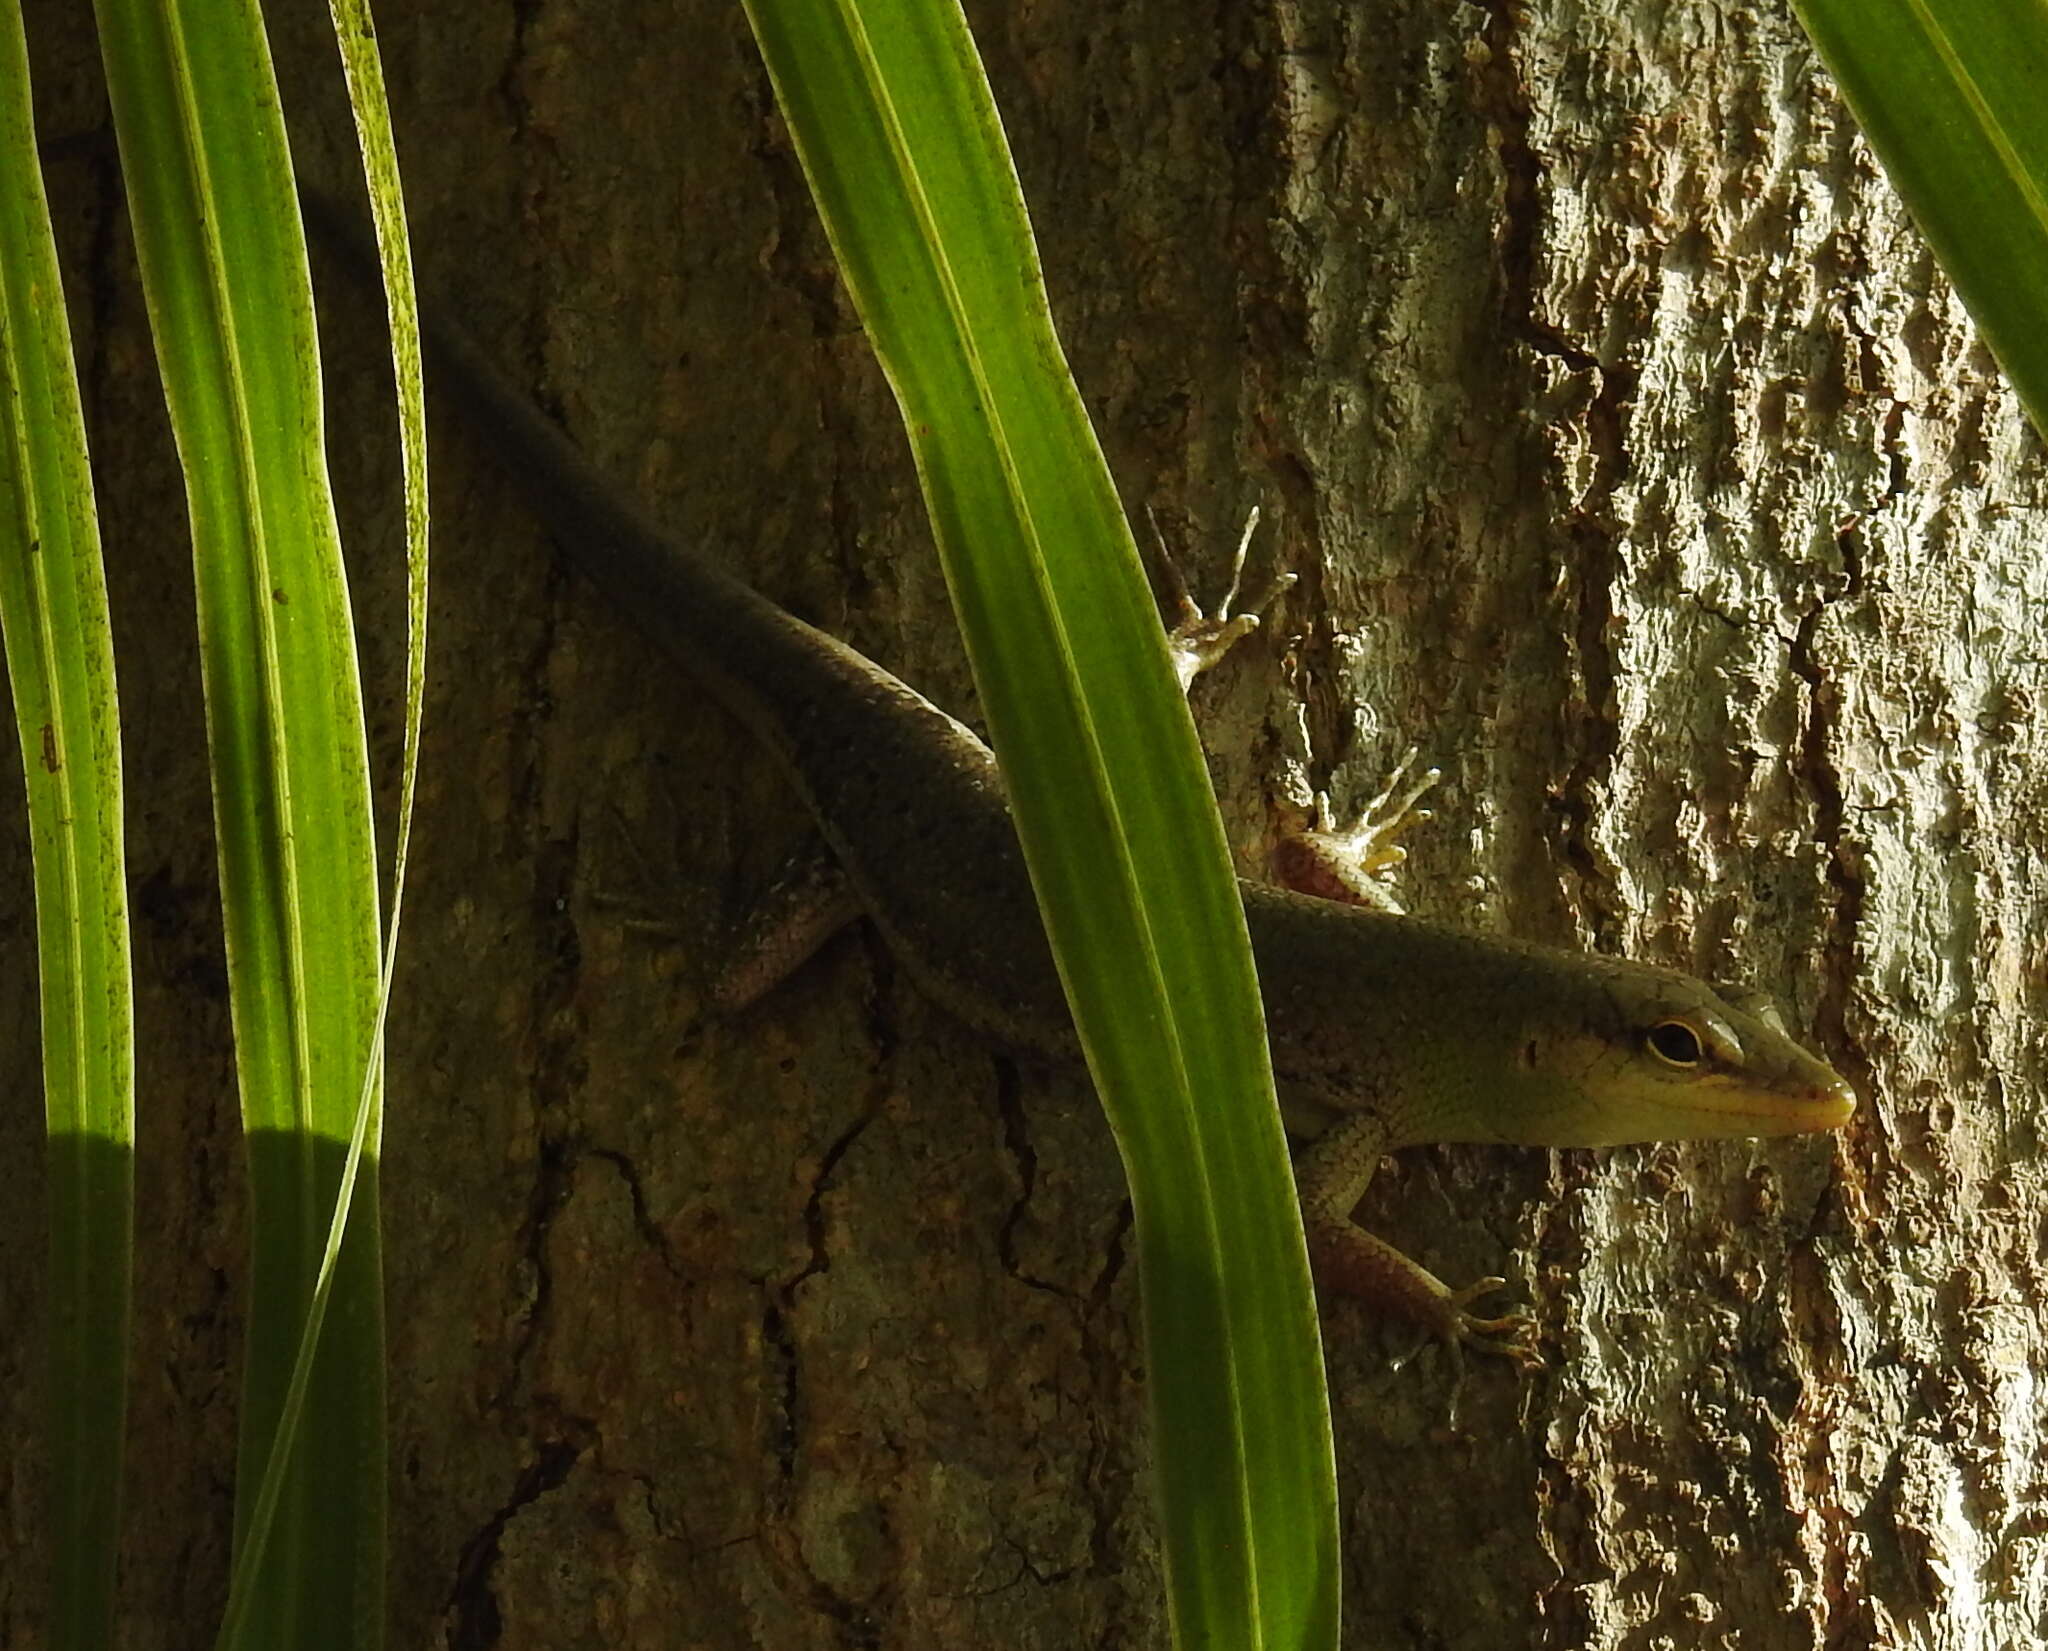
[1636, 462]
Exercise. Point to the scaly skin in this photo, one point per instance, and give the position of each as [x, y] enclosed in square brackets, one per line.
[1386, 1031]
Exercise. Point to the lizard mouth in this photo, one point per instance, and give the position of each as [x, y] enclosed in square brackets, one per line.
[1807, 1109]
[1829, 1106]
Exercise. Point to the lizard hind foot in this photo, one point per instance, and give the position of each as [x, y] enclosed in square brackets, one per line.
[811, 901]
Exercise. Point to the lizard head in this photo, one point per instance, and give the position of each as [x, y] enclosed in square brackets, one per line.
[1638, 1053]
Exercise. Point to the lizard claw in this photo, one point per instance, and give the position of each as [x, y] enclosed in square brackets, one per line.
[1508, 1336]
[1391, 811]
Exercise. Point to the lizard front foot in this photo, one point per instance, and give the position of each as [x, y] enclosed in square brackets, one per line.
[1331, 1177]
[1447, 1321]
[1198, 640]
[1510, 1335]
[1348, 865]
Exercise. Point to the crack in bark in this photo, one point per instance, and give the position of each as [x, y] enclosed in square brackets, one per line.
[1818, 771]
[814, 1204]
[778, 1336]
[549, 1193]
[1504, 101]
[1112, 1260]
[553, 1028]
[643, 1223]
[1017, 1142]
[1898, 462]
[472, 1601]
[554, 1082]
[518, 106]
[859, 1622]
[1106, 1475]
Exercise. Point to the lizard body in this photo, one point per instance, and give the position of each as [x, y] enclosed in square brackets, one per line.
[1386, 1031]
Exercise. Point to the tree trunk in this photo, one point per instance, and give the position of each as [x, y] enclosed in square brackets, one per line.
[1637, 464]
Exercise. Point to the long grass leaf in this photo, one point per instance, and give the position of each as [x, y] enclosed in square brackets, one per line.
[906, 158]
[60, 663]
[357, 39]
[1950, 95]
[224, 272]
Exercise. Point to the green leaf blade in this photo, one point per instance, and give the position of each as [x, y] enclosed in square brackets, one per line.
[899, 136]
[59, 649]
[224, 272]
[1949, 93]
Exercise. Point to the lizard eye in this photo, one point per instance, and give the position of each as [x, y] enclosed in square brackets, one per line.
[1675, 1043]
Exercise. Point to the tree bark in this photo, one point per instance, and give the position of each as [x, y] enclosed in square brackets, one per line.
[1637, 464]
